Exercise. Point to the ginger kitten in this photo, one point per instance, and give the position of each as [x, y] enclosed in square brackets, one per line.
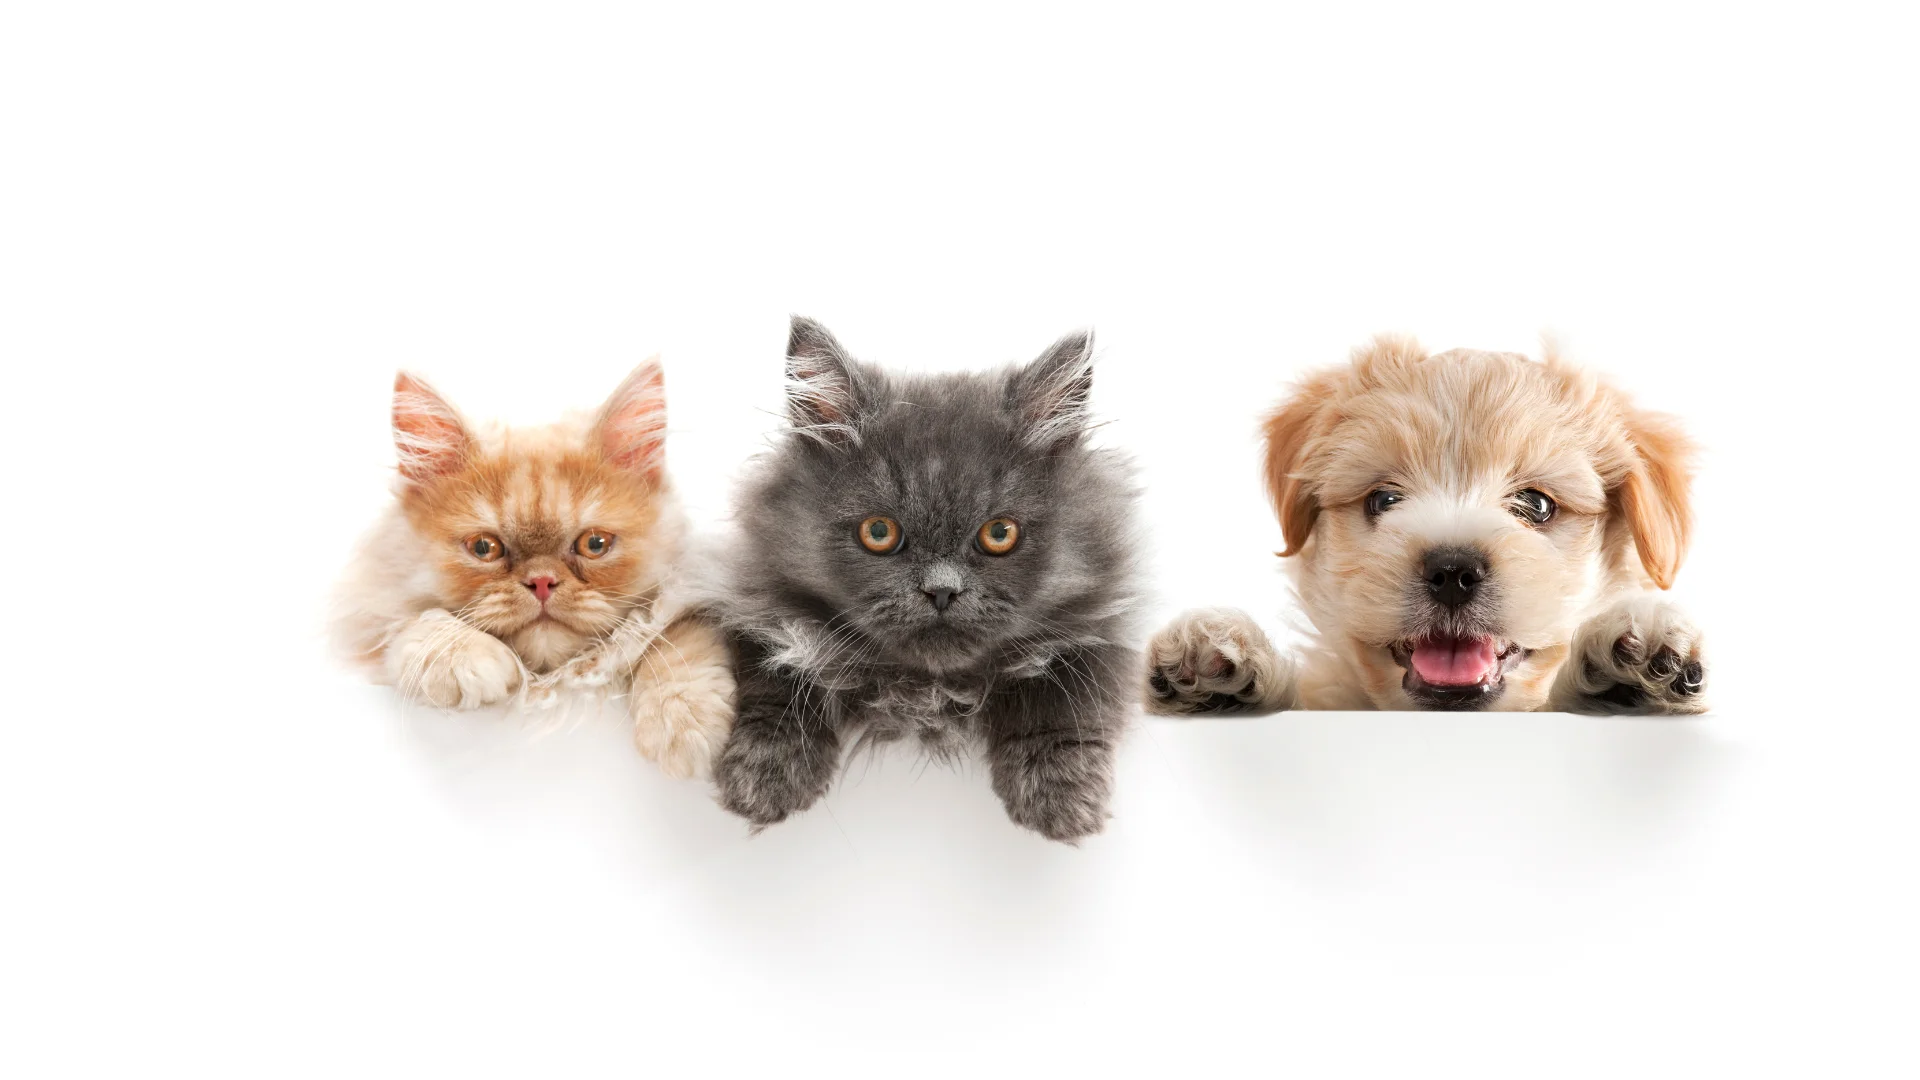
[510, 552]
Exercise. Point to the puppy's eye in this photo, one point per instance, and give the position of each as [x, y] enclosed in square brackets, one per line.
[1534, 505]
[880, 535]
[999, 536]
[1378, 501]
[593, 543]
[485, 547]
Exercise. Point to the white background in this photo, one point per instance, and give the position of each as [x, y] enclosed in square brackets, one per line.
[222, 227]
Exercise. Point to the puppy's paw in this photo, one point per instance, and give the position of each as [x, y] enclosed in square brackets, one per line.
[1641, 656]
[1217, 660]
[444, 662]
[682, 722]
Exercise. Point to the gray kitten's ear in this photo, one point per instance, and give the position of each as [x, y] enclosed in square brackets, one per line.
[822, 388]
[1051, 393]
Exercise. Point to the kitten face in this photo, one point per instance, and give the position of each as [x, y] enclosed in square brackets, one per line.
[933, 522]
[543, 537]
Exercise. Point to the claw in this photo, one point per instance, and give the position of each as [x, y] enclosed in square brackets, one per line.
[1664, 663]
[1627, 649]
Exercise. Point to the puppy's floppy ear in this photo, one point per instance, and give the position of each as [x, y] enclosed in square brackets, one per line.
[1288, 429]
[427, 431]
[1051, 394]
[1656, 496]
[632, 428]
[823, 386]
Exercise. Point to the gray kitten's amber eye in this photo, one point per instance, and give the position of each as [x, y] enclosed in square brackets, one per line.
[485, 548]
[593, 543]
[880, 535]
[999, 536]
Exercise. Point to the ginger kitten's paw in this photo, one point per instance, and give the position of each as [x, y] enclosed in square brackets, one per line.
[1641, 656]
[682, 699]
[1216, 660]
[443, 661]
[682, 724]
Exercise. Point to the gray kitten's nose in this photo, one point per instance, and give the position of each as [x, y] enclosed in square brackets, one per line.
[941, 596]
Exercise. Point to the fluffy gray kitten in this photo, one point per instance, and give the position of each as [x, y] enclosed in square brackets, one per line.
[942, 558]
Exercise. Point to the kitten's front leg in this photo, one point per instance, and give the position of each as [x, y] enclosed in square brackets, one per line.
[1052, 740]
[682, 698]
[439, 660]
[785, 745]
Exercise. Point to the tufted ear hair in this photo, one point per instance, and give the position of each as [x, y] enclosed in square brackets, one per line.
[1656, 497]
[1288, 430]
[431, 438]
[631, 430]
[1051, 395]
[823, 385]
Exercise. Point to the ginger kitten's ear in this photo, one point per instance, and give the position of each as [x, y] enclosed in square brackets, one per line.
[1287, 430]
[632, 428]
[1656, 497]
[823, 391]
[1051, 394]
[427, 431]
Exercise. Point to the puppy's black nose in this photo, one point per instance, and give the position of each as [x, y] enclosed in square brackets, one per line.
[1453, 574]
[941, 597]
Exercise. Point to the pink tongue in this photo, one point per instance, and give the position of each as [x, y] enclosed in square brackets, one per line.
[1450, 662]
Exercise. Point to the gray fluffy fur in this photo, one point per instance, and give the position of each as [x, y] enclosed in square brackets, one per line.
[837, 647]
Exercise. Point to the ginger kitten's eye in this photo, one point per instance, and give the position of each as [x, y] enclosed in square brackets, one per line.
[485, 547]
[593, 543]
[999, 536]
[880, 535]
[1533, 505]
[1378, 501]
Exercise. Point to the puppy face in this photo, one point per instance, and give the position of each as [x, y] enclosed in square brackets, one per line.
[1454, 516]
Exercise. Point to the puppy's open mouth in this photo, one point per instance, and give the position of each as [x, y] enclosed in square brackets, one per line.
[1445, 672]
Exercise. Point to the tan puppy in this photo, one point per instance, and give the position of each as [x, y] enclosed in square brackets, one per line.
[1467, 531]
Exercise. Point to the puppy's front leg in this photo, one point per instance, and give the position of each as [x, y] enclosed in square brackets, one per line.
[1218, 661]
[1051, 741]
[1640, 656]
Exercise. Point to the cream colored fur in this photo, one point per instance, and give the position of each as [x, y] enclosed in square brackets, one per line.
[1457, 435]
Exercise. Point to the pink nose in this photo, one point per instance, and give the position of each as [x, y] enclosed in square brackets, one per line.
[542, 587]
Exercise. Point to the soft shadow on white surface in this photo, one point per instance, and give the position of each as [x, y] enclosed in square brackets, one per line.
[1351, 800]
[1334, 808]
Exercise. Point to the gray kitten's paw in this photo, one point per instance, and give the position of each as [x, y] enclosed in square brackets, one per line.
[765, 773]
[1216, 660]
[1641, 656]
[1056, 784]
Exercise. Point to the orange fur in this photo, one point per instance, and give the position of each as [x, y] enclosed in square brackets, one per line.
[537, 490]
